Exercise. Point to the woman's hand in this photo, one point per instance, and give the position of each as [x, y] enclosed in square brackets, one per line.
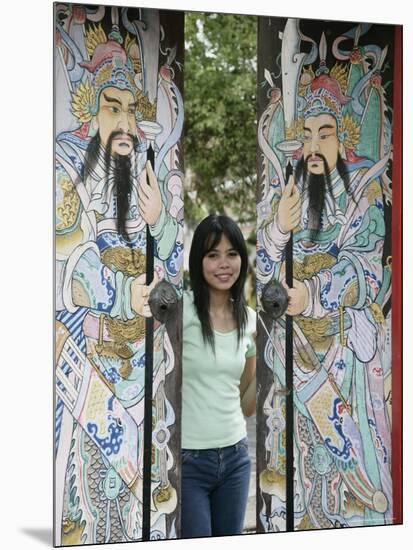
[140, 294]
[298, 297]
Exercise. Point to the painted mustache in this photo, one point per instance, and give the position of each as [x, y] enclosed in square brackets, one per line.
[120, 134]
[315, 158]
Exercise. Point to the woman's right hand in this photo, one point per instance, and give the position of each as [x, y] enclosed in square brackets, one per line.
[289, 207]
[140, 294]
[298, 297]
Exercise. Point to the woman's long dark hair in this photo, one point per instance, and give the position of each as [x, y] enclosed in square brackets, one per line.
[207, 235]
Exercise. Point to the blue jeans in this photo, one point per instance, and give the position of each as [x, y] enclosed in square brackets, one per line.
[215, 490]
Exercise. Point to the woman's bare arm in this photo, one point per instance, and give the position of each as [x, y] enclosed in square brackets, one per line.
[248, 387]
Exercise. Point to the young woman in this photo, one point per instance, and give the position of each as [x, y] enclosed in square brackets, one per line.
[218, 386]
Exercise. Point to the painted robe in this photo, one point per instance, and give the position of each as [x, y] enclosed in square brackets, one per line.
[342, 435]
[101, 355]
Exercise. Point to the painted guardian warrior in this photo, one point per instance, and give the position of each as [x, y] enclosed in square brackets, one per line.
[333, 206]
[107, 195]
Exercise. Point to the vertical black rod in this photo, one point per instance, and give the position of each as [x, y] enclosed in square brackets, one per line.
[289, 381]
[147, 433]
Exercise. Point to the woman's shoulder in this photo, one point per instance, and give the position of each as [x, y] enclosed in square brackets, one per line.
[188, 298]
[251, 314]
[251, 320]
[189, 306]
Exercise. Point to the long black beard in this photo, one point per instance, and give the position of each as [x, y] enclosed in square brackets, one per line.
[91, 157]
[120, 167]
[317, 186]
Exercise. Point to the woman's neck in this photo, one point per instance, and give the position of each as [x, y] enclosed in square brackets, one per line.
[221, 313]
[219, 302]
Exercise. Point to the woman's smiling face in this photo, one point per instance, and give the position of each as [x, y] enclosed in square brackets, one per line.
[221, 265]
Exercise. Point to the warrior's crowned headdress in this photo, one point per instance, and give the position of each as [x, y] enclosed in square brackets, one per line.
[112, 64]
[325, 93]
[325, 97]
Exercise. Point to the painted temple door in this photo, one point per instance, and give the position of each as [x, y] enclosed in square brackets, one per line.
[119, 244]
[329, 195]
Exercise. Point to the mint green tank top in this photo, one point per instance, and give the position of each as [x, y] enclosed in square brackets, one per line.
[211, 405]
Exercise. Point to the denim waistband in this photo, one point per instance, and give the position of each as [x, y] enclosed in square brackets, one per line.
[241, 443]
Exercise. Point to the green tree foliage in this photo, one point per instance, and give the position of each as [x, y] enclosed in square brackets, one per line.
[220, 115]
